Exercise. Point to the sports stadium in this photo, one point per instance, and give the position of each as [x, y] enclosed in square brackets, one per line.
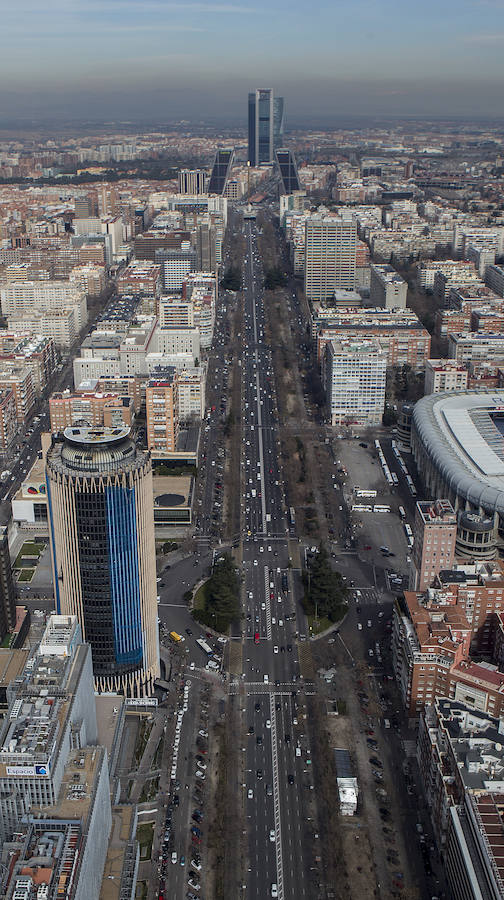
[457, 441]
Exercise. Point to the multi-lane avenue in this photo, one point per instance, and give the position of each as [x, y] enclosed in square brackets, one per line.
[275, 785]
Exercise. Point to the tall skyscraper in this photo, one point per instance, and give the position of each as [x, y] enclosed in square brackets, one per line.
[265, 126]
[330, 255]
[100, 501]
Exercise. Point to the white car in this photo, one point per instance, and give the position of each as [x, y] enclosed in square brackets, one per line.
[268, 723]
[275, 649]
[250, 794]
[272, 835]
[174, 857]
[200, 774]
[263, 606]
[274, 890]
[203, 733]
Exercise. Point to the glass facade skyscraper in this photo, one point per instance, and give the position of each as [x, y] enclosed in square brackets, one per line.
[99, 490]
[265, 126]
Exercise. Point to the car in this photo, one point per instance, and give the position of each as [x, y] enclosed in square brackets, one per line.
[182, 860]
[263, 606]
[259, 740]
[188, 631]
[195, 830]
[274, 890]
[259, 774]
[257, 707]
[196, 863]
[250, 794]
[376, 762]
[287, 738]
[174, 857]
[200, 774]
[268, 723]
[290, 779]
[289, 648]
[251, 729]
[359, 626]
[275, 649]
[194, 884]
[272, 835]
[203, 733]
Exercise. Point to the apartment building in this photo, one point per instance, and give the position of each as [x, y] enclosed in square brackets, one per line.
[89, 278]
[140, 278]
[191, 394]
[58, 325]
[8, 419]
[354, 374]
[330, 255]
[388, 290]
[96, 409]
[21, 297]
[494, 277]
[472, 346]
[444, 375]
[161, 413]
[18, 377]
[454, 269]
[434, 534]
[399, 333]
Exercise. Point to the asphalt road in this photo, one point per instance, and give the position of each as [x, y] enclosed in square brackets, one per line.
[274, 782]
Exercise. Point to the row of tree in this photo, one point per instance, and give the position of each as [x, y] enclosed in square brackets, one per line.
[232, 280]
[222, 592]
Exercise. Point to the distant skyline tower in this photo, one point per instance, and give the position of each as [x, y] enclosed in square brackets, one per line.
[100, 502]
[265, 126]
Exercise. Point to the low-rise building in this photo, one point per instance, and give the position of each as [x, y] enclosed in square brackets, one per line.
[444, 375]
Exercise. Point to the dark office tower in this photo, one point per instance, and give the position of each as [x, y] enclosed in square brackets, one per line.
[7, 592]
[220, 171]
[288, 171]
[101, 517]
[87, 206]
[265, 126]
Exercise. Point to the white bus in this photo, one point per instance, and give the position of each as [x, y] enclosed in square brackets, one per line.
[204, 646]
[360, 492]
[379, 508]
[361, 507]
[402, 513]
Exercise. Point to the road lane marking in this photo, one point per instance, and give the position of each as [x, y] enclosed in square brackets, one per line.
[276, 800]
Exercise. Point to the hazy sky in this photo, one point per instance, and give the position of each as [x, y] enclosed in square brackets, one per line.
[158, 58]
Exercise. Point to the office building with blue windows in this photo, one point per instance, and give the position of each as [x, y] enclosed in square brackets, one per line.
[99, 493]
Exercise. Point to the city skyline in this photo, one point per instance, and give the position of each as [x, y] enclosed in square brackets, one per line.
[115, 58]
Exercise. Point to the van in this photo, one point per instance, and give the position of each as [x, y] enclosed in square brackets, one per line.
[266, 679]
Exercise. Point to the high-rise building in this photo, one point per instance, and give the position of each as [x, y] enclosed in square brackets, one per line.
[265, 126]
[223, 162]
[434, 541]
[330, 255]
[7, 590]
[160, 404]
[388, 289]
[99, 490]
[288, 171]
[192, 181]
[355, 381]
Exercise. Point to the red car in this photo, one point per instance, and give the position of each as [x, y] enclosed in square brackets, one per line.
[256, 637]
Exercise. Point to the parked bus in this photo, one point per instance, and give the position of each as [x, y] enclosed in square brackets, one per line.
[205, 647]
[402, 513]
[361, 507]
[394, 478]
[381, 508]
[360, 492]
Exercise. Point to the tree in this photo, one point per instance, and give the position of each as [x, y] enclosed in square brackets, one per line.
[221, 596]
[325, 591]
